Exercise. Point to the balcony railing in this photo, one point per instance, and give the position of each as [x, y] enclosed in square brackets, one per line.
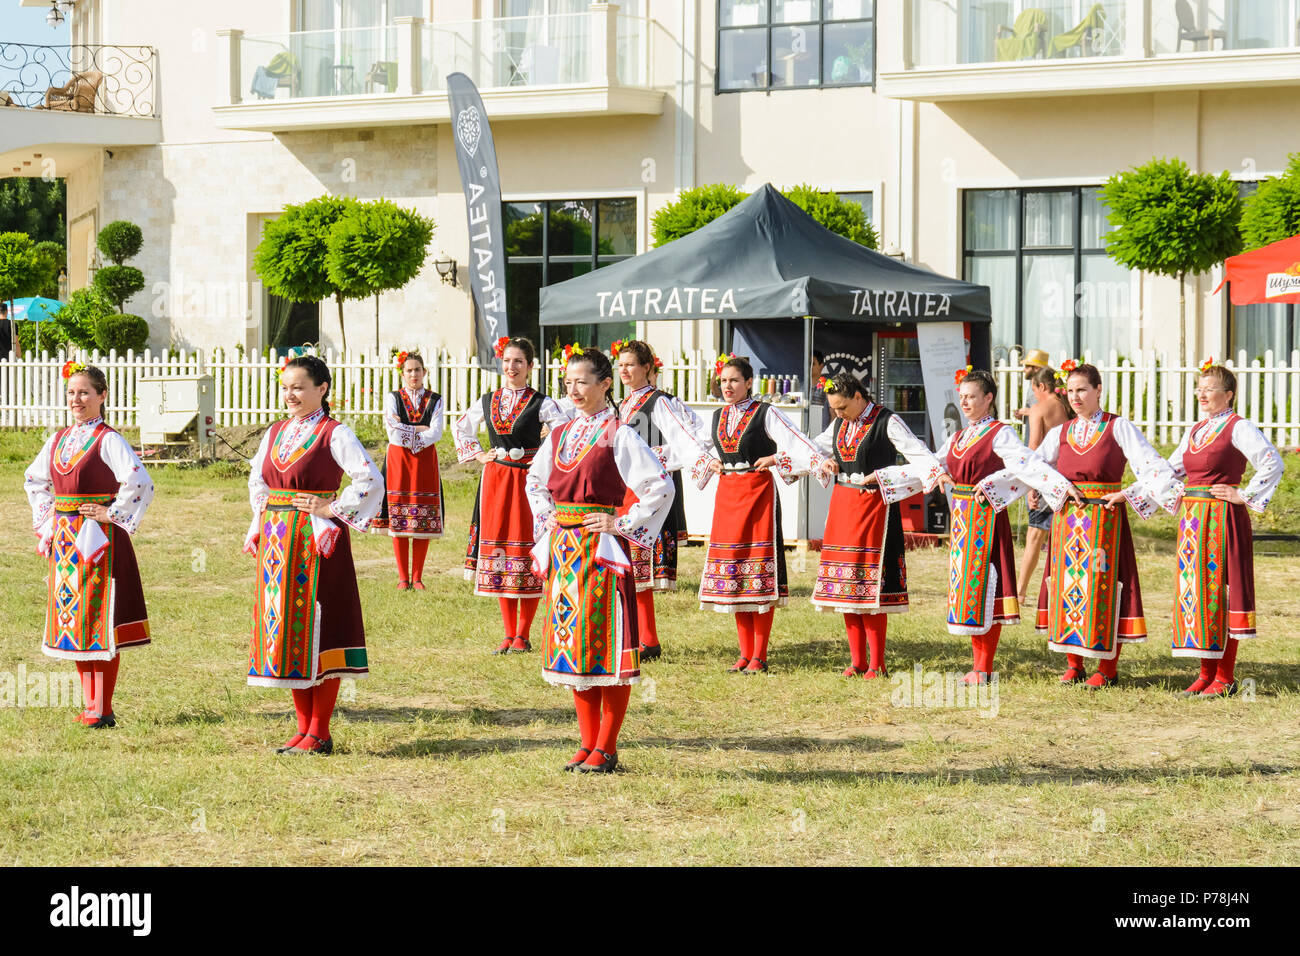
[948, 33]
[80, 78]
[595, 48]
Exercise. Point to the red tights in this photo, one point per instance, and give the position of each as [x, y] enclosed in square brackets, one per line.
[419, 548]
[517, 616]
[314, 706]
[98, 680]
[984, 647]
[866, 631]
[753, 630]
[600, 717]
[645, 618]
[1221, 671]
[1107, 669]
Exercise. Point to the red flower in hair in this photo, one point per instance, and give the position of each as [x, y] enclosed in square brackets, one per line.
[1068, 366]
[961, 374]
[659, 363]
[615, 347]
[1207, 364]
[500, 348]
[71, 367]
[722, 361]
[401, 358]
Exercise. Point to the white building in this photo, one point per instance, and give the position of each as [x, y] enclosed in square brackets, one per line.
[975, 133]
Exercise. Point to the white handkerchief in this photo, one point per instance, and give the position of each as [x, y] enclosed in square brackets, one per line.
[91, 541]
[325, 534]
[542, 555]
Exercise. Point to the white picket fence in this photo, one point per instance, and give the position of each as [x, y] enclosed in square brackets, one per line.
[1159, 398]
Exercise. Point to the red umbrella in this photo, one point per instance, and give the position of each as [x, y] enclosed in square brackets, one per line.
[1268, 274]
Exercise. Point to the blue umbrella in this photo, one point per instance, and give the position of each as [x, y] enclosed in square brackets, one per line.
[34, 309]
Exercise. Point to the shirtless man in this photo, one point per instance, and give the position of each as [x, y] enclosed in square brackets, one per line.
[1048, 411]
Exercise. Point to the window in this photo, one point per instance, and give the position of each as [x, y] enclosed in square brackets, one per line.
[862, 199]
[783, 44]
[550, 241]
[1042, 253]
[1257, 328]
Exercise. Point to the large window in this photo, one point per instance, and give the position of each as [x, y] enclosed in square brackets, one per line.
[1042, 254]
[1257, 328]
[550, 241]
[784, 44]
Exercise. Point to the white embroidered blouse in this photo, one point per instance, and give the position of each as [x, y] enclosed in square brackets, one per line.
[1022, 469]
[1250, 441]
[465, 431]
[408, 436]
[687, 436]
[922, 471]
[638, 467]
[129, 504]
[796, 455]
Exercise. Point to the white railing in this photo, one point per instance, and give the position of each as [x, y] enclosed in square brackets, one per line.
[1160, 399]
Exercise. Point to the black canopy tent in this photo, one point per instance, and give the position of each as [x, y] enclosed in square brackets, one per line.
[763, 260]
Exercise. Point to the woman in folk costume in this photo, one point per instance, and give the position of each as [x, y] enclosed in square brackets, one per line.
[674, 433]
[577, 482]
[1215, 606]
[744, 567]
[987, 468]
[1090, 602]
[88, 492]
[863, 573]
[501, 530]
[307, 627]
[412, 508]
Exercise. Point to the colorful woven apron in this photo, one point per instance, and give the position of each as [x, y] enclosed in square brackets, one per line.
[79, 615]
[969, 566]
[583, 632]
[285, 646]
[1083, 589]
[1201, 611]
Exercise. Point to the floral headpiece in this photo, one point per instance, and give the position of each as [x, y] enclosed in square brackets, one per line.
[722, 361]
[284, 364]
[1063, 374]
[827, 385]
[571, 350]
[71, 368]
[402, 356]
[1207, 364]
[961, 375]
[615, 347]
[658, 363]
[499, 350]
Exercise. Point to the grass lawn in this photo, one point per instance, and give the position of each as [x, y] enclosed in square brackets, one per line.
[450, 755]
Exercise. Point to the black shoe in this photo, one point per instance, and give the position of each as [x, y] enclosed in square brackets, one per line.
[609, 766]
[504, 646]
[104, 721]
[287, 747]
[652, 653]
[573, 765]
[324, 750]
[528, 646]
[756, 665]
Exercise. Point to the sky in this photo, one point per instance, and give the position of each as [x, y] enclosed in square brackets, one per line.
[27, 25]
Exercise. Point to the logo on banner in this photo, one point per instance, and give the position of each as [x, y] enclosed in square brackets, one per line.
[1283, 283]
[469, 127]
[859, 366]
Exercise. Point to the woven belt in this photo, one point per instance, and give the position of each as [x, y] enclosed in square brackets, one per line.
[71, 504]
[1202, 492]
[736, 468]
[844, 479]
[523, 462]
[1094, 492]
[570, 515]
[281, 499]
[967, 490]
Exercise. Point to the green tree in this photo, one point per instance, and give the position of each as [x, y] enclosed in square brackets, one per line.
[35, 206]
[1273, 212]
[290, 259]
[119, 240]
[375, 246]
[841, 216]
[1173, 222]
[692, 209]
[21, 269]
[53, 259]
[75, 324]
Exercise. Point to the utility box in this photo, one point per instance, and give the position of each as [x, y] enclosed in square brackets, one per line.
[177, 411]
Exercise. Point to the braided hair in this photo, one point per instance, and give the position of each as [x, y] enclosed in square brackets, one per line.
[318, 372]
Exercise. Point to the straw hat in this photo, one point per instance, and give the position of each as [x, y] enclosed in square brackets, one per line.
[1036, 357]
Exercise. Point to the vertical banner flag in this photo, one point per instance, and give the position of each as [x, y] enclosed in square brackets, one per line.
[943, 351]
[476, 155]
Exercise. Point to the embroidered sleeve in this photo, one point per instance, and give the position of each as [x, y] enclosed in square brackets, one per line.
[39, 485]
[641, 471]
[1176, 459]
[136, 491]
[1155, 485]
[679, 426]
[399, 434]
[825, 442]
[535, 486]
[465, 432]
[922, 471]
[553, 414]
[257, 492]
[431, 437]
[361, 500]
[1250, 441]
[1049, 449]
[1024, 470]
[795, 454]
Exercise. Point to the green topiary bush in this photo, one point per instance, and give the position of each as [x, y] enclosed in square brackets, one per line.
[692, 209]
[119, 283]
[120, 240]
[73, 327]
[840, 216]
[122, 332]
